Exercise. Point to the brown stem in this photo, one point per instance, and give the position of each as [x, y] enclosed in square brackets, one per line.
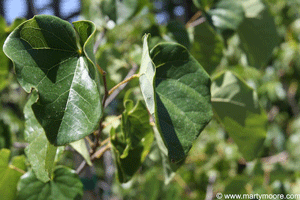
[118, 90]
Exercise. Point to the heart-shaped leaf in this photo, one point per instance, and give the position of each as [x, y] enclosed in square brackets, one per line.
[176, 90]
[10, 174]
[132, 144]
[65, 185]
[236, 106]
[40, 152]
[57, 60]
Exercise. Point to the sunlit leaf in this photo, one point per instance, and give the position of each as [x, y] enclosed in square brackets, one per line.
[40, 152]
[176, 90]
[10, 173]
[227, 14]
[65, 185]
[49, 57]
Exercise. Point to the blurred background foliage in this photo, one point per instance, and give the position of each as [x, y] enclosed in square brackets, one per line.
[230, 44]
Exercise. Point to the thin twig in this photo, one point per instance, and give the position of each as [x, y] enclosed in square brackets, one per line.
[110, 122]
[100, 152]
[117, 91]
[20, 145]
[197, 22]
[291, 93]
[17, 169]
[195, 16]
[95, 156]
[123, 82]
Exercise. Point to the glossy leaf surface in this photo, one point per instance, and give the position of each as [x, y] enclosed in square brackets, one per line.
[236, 106]
[176, 90]
[49, 57]
[10, 174]
[207, 47]
[40, 152]
[132, 144]
[65, 185]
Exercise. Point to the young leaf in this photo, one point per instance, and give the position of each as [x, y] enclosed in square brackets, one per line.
[40, 152]
[258, 33]
[65, 185]
[207, 47]
[10, 174]
[176, 90]
[236, 105]
[132, 144]
[48, 56]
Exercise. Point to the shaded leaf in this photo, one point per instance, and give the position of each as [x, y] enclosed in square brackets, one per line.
[40, 152]
[5, 135]
[258, 33]
[176, 90]
[48, 57]
[132, 144]
[10, 174]
[65, 185]
[82, 149]
[236, 106]
[207, 47]
[120, 10]
[178, 33]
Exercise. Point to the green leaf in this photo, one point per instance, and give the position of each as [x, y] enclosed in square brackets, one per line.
[81, 148]
[49, 57]
[4, 61]
[227, 14]
[204, 4]
[5, 135]
[132, 144]
[4, 68]
[176, 90]
[10, 174]
[120, 10]
[207, 47]
[65, 185]
[178, 33]
[40, 152]
[258, 33]
[236, 106]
